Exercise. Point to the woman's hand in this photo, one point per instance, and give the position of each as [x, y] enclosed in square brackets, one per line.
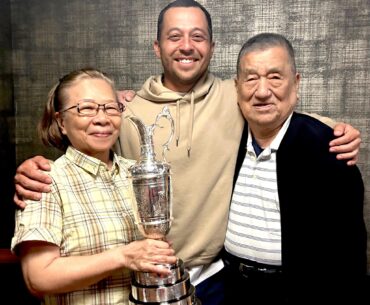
[147, 255]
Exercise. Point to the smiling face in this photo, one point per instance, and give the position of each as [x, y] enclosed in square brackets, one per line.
[94, 135]
[185, 47]
[267, 89]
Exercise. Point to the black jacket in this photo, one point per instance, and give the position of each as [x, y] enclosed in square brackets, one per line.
[321, 205]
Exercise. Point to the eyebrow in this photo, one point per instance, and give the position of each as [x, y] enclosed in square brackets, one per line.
[192, 30]
[94, 100]
[254, 71]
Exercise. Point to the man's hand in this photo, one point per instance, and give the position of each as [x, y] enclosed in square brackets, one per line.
[30, 182]
[126, 95]
[347, 145]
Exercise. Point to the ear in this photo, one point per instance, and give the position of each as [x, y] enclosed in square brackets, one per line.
[236, 84]
[60, 121]
[212, 48]
[297, 83]
[157, 49]
[297, 80]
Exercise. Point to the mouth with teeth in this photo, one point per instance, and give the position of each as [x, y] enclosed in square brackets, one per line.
[186, 64]
[186, 60]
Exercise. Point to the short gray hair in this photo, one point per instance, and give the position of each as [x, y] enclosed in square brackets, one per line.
[265, 41]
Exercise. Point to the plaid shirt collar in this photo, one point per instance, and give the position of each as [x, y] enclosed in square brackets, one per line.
[88, 163]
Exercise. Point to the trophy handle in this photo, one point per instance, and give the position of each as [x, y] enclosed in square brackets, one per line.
[165, 113]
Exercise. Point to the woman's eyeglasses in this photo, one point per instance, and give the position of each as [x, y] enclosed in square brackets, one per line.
[91, 108]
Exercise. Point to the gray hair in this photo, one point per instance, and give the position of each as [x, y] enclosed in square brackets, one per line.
[265, 41]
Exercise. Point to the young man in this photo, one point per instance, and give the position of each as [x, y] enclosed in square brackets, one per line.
[208, 131]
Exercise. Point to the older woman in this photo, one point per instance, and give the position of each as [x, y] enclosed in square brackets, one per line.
[79, 248]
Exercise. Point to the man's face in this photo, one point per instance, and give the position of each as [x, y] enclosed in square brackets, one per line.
[185, 48]
[267, 88]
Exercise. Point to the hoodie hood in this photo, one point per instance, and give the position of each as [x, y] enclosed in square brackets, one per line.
[154, 91]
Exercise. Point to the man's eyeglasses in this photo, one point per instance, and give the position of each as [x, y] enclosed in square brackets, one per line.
[91, 108]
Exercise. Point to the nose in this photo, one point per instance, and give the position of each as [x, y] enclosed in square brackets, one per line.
[263, 89]
[186, 45]
[101, 117]
[101, 107]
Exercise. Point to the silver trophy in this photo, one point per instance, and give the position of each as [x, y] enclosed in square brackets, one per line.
[151, 180]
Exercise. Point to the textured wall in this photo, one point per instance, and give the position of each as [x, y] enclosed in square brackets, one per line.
[331, 39]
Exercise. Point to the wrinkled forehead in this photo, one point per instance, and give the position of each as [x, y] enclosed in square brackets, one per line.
[90, 88]
[276, 57]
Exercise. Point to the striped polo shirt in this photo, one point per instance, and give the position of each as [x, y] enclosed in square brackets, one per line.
[253, 230]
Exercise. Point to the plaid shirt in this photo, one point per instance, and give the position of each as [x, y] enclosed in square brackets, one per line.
[88, 211]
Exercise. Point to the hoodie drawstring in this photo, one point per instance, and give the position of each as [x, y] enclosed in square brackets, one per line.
[191, 116]
[177, 127]
[191, 123]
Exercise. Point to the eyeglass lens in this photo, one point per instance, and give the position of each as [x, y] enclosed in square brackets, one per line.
[92, 108]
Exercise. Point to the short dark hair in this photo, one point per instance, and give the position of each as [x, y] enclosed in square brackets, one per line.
[264, 41]
[183, 3]
[48, 128]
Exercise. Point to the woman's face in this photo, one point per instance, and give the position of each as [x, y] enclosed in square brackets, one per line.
[92, 135]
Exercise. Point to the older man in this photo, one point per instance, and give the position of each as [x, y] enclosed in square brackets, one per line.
[296, 230]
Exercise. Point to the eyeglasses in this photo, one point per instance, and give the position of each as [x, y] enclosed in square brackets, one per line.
[91, 108]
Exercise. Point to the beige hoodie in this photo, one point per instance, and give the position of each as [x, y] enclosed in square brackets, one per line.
[208, 127]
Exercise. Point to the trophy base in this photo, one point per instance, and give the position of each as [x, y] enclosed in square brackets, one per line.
[175, 289]
[181, 302]
[189, 299]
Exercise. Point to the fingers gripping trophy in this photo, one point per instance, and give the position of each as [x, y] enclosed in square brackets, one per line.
[151, 180]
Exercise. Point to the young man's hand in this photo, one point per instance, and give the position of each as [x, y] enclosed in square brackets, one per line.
[347, 145]
[30, 182]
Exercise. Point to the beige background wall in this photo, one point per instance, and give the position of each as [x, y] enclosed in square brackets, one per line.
[50, 37]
